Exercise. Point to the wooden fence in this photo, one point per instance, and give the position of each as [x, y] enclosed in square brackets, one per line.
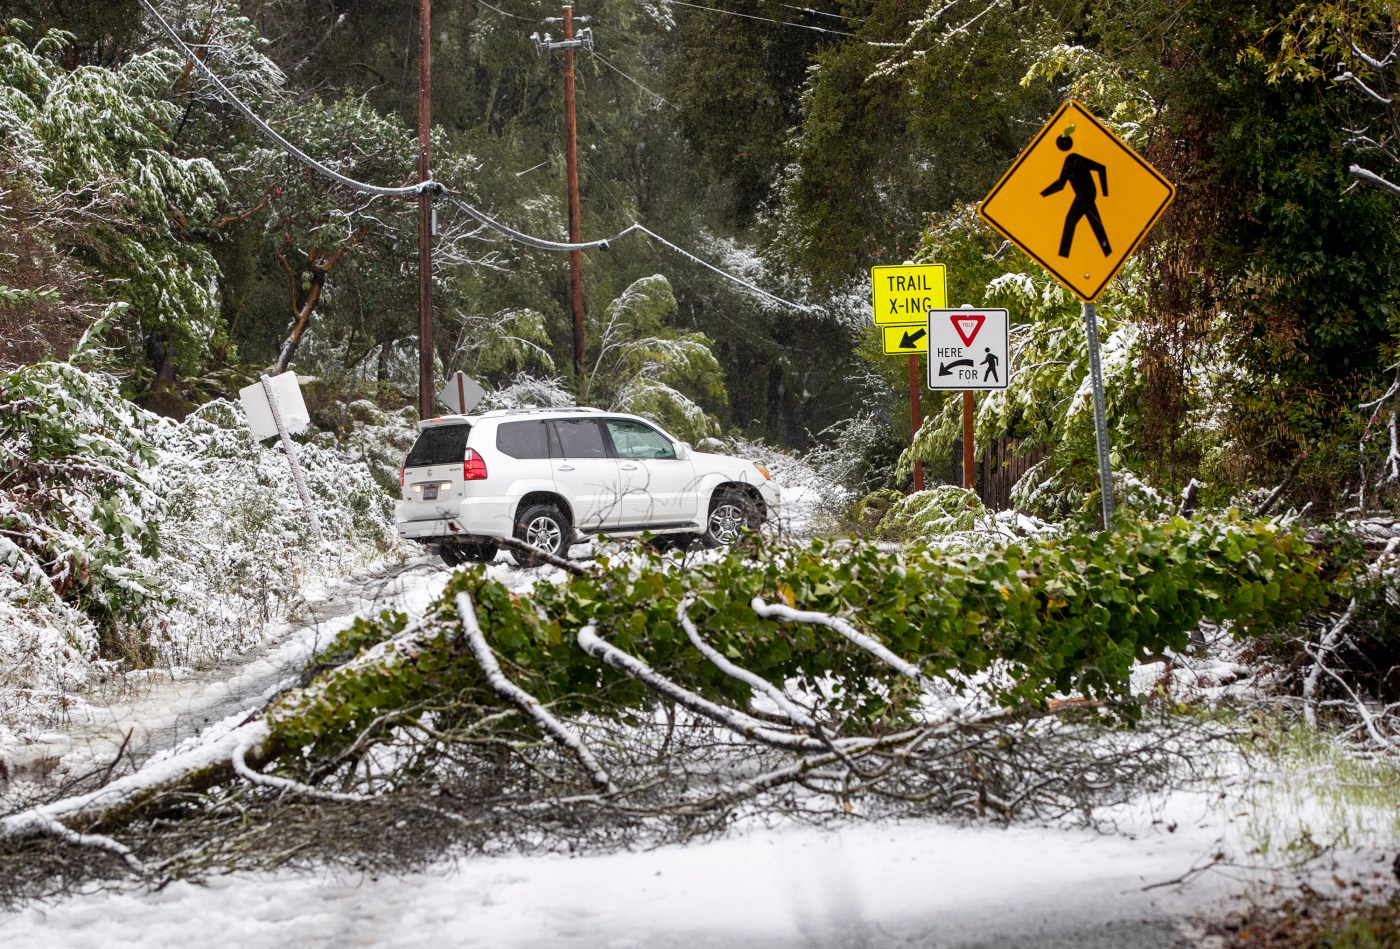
[995, 473]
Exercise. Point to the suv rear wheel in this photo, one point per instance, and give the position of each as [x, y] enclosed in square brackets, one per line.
[543, 526]
[730, 515]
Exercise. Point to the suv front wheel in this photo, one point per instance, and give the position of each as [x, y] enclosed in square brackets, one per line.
[542, 526]
[730, 515]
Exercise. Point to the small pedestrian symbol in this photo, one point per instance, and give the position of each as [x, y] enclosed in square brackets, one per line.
[991, 363]
[1078, 172]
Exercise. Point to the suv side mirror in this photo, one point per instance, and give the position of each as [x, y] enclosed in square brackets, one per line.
[683, 451]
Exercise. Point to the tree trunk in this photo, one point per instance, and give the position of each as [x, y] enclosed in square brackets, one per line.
[319, 267]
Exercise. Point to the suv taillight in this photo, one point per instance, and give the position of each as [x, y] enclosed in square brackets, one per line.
[401, 471]
[473, 467]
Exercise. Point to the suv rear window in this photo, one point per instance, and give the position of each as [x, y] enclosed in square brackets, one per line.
[440, 445]
[581, 438]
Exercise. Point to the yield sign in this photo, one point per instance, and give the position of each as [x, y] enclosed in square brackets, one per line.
[967, 326]
[1078, 200]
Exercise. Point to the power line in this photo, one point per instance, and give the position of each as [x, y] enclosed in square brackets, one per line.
[834, 16]
[761, 19]
[605, 243]
[657, 96]
[441, 191]
[270, 132]
[514, 16]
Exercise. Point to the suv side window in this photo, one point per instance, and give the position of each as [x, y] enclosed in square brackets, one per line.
[523, 439]
[580, 438]
[635, 440]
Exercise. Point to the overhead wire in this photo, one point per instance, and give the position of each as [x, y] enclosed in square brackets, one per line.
[514, 16]
[437, 188]
[655, 95]
[270, 132]
[761, 19]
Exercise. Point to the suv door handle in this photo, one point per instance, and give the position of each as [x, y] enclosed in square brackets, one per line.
[565, 467]
[629, 467]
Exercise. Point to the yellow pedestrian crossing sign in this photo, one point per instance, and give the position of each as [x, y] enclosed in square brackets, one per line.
[1078, 200]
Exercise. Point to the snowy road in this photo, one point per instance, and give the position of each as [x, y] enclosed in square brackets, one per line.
[919, 884]
[146, 713]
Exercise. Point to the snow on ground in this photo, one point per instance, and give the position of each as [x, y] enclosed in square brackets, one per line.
[864, 885]
[146, 711]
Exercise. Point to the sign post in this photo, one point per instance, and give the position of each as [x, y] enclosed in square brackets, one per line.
[899, 296]
[969, 349]
[1079, 201]
[263, 404]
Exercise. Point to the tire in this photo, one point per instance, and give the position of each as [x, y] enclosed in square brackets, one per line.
[542, 526]
[454, 555]
[665, 543]
[730, 515]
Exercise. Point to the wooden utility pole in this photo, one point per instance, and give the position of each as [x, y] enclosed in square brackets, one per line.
[571, 165]
[425, 214]
[543, 45]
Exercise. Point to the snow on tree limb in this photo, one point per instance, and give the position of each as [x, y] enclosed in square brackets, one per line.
[523, 700]
[240, 765]
[1373, 180]
[798, 716]
[950, 706]
[732, 719]
[129, 792]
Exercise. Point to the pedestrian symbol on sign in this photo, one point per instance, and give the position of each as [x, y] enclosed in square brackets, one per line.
[1078, 172]
[1054, 201]
[991, 363]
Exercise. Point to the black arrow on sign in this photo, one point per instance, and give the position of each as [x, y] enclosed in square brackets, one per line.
[946, 368]
[911, 338]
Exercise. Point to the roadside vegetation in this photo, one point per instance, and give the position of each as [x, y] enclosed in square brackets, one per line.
[895, 653]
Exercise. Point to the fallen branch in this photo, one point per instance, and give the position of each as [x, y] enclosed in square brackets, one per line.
[523, 700]
[907, 669]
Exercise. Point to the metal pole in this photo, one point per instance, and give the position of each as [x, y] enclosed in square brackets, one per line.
[968, 479]
[291, 452]
[425, 214]
[916, 416]
[1091, 330]
[571, 166]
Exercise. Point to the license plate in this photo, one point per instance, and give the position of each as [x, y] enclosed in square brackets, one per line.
[430, 494]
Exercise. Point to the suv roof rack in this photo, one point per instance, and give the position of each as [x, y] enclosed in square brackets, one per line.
[535, 410]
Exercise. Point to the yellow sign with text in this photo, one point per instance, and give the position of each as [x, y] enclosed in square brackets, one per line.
[1079, 200]
[905, 294]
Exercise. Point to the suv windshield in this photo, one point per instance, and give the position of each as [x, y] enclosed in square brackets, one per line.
[440, 445]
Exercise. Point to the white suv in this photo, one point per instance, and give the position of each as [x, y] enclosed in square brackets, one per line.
[551, 477]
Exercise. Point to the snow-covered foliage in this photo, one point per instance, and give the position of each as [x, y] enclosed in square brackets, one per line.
[95, 144]
[130, 539]
[644, 367]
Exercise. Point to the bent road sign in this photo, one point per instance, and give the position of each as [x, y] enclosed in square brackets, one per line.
[1078, 200]
[289, 401]
[968, 349]
[901, 339]
[904, 294]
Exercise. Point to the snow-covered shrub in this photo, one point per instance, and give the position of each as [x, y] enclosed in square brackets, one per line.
[78, 511]
[131, 538]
